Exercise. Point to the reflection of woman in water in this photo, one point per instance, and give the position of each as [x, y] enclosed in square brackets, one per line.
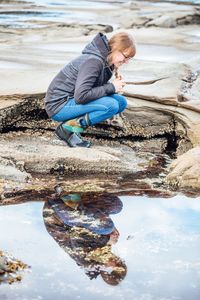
[85, 243]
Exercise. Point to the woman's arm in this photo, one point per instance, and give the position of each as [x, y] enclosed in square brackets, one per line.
[88, 73]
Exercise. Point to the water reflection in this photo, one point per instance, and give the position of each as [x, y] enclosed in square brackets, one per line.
[159, 241]
[82, 227]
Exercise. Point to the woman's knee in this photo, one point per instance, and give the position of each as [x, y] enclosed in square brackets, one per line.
[123, 105]
[112, 106]
[121, 101]
[57, 118]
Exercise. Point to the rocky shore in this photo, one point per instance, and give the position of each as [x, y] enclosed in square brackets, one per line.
[156, 141]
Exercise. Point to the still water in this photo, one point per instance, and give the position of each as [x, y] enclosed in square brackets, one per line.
[35, 14]
[138, 248]
[39, 13]
[61, 2]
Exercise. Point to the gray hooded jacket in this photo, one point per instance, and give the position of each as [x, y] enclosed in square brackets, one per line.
[85, 78]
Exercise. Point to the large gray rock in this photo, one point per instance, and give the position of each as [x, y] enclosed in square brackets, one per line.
[163, 21]
[185, 170]
[164, 15]
[169, 83]
[40, 154]
[13, 171]
[19, 107]
[175, 87]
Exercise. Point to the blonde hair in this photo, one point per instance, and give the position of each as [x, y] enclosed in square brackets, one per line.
[122, 42]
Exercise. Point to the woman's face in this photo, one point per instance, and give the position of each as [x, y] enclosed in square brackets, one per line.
[119, 58]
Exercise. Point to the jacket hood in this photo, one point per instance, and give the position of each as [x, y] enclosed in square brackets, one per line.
[99, 46]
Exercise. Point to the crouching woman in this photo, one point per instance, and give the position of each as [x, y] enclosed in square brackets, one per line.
[81, 95]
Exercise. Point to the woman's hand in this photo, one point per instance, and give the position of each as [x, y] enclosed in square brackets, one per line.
[118, 83]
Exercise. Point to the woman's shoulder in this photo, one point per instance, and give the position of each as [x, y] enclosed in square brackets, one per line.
[84, 60]
[88, 59]
[92, 57]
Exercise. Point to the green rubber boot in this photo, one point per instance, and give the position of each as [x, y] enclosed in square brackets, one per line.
[70, 130]
[77, 125]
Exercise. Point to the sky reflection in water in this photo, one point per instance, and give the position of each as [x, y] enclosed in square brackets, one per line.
[159, 242]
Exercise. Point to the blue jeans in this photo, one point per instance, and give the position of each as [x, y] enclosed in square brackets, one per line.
[98, 110]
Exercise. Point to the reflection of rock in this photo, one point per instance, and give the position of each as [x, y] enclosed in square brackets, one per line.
[10, 268]
[185, 170]
[90, 250]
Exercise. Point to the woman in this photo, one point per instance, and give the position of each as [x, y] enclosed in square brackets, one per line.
[80, 94]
